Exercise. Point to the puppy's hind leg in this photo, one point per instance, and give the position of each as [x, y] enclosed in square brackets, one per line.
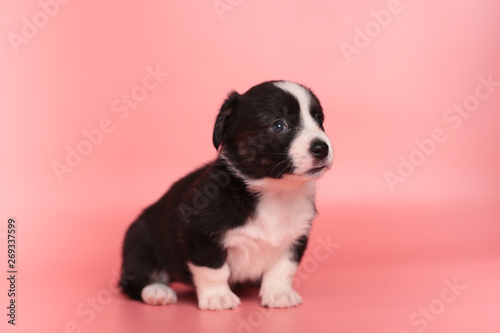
[157, 292]
[143, 277]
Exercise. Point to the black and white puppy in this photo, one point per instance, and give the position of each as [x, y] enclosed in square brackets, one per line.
[244, 217]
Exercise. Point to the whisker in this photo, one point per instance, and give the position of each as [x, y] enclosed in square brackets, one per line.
[276, 165]
[283, 171]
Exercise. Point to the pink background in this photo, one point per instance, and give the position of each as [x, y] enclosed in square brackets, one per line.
[397, 249]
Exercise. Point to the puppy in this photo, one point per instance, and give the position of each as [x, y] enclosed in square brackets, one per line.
[244, 217]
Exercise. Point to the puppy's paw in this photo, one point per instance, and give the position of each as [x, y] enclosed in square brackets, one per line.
[217, 298]
[280, 298]
[158, 294]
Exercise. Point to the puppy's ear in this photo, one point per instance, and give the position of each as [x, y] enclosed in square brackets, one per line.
[223, 117]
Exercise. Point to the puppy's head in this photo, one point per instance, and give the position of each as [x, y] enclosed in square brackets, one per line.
[274, 130]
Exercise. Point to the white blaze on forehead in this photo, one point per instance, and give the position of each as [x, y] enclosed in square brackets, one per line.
[302, 95]
[302, 159]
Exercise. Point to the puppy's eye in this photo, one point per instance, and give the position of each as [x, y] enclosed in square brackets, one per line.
[319, 119]
[278, 127]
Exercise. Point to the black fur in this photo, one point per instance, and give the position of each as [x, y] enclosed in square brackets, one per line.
[181, 227]
[188, 223]
[251, 141]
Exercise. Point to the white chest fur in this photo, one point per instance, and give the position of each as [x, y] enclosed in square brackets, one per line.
[283, 215]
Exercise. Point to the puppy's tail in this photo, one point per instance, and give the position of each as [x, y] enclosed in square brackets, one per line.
[139, 260]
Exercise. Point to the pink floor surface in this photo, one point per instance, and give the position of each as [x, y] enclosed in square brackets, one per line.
[391, 275]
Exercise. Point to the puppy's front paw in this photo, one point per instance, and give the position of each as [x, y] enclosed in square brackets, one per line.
[158, 294]
[280, 298]
[217, 298]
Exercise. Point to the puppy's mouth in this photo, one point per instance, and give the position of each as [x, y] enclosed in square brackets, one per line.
[315, 170]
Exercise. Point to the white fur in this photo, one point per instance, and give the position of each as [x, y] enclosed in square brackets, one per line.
[276, 289]
[302, 159]
[158, 294]
[262, 247]
[212, 288]
[302, 94]
[234, 170]
[283, 215]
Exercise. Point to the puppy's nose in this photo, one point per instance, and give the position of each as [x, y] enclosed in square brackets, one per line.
[319, 149]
